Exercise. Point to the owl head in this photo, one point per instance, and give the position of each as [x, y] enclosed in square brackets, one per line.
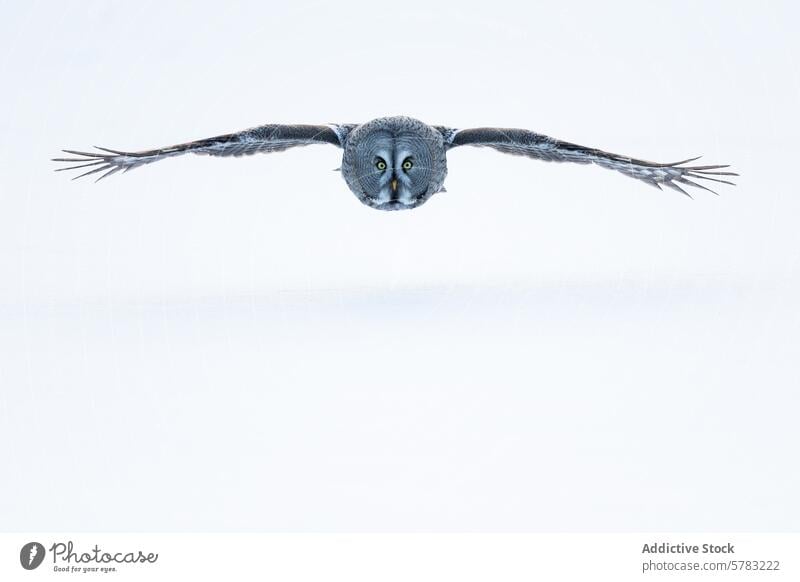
[394, 163]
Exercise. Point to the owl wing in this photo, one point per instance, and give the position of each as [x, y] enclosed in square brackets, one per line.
[266, 138]
[534, 145]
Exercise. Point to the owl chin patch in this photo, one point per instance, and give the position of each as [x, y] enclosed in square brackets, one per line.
[392, 205]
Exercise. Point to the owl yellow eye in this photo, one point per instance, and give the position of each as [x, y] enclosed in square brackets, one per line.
[408, 164]
[380, 164]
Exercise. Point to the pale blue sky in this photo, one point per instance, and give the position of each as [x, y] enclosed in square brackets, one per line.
[239, 344]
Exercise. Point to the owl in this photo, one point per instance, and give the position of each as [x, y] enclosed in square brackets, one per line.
[399, 163]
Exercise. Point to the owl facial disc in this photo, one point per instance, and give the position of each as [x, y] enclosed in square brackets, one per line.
[394, 163]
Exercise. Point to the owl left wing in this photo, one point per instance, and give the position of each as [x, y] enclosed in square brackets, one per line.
[266, 138]
[534, 145]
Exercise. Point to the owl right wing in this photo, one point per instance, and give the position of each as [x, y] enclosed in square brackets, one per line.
[266, 138]
[522, 142]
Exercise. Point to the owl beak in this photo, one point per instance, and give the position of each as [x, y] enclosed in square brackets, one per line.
[394, 185]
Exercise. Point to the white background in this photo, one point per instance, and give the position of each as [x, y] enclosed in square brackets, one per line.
[239, 344]
[398, 557]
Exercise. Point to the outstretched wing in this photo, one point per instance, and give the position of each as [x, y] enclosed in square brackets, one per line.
[266, 138]
[534, 145]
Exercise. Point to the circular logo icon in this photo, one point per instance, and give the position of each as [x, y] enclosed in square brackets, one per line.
[31, 555]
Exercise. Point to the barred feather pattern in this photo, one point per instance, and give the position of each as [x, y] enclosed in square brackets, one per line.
[263, 139]
[534, 145]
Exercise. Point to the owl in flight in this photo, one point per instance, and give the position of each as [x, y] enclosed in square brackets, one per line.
[398, 163]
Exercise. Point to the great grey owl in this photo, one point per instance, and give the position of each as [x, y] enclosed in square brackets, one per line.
[398, 163]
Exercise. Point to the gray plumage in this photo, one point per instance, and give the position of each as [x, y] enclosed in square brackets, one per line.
[398, 163]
